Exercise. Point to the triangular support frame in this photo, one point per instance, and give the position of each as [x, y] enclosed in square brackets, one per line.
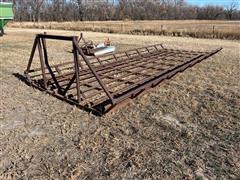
[40, 44]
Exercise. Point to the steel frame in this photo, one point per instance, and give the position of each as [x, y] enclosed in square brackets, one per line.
[99, 84]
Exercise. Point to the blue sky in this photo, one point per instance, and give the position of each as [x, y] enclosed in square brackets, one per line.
[209, 2]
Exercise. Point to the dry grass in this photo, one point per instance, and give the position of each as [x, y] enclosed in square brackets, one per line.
[187, 28]
[186, 128]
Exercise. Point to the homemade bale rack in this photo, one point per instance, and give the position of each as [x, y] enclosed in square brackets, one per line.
[101, 83]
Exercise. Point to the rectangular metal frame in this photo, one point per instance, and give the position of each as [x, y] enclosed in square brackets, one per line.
[99, 84]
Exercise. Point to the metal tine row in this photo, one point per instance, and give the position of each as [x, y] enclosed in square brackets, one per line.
[107, 69]
[111, 87]
[68, 75]
[125, 67]
[108, 58]
[99, 69]
[114, 79]
[118, 65]
[156, 67]
[122, 90]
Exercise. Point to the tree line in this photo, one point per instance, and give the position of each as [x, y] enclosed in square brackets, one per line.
[79, 10]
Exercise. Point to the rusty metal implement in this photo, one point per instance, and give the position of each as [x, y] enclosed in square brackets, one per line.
[99, 84]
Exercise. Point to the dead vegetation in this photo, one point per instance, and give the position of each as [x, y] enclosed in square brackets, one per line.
[180, 28]
[186, 128]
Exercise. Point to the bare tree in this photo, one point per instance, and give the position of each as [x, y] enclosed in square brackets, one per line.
[123, 9]
[79, 4]
[178, 5]
[210, 12]
[232, 8]
[35, 9]
[68, 10]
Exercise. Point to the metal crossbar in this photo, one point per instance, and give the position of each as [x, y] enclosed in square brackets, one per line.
[101, 83]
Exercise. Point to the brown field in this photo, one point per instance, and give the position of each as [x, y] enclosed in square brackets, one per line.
[181, 28]
[186, 128]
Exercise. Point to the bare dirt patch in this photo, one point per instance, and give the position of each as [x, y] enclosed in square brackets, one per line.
[186, 128]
